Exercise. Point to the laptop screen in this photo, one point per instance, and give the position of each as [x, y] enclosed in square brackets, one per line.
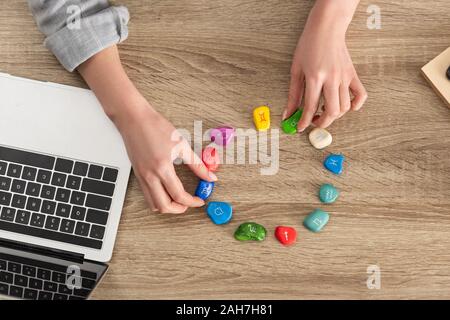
[36, 276]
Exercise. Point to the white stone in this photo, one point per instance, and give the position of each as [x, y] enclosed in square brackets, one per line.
[320, 138]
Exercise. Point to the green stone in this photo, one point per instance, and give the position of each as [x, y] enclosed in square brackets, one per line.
[250, 231]
[316, 220]
[289, 125]
[328, 193]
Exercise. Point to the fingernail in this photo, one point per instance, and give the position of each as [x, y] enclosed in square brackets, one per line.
[283, 116]
[212, 176]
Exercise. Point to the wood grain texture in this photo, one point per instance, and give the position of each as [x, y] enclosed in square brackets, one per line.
[214, 61]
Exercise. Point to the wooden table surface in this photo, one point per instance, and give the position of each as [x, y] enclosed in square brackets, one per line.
[214, 60]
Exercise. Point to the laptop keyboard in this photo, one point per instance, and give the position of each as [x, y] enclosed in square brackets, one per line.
[38, 280]
[55, 198]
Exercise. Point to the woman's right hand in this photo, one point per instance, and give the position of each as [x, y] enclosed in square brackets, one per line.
[153, 144]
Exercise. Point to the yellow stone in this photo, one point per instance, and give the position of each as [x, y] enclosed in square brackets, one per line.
[261, 117]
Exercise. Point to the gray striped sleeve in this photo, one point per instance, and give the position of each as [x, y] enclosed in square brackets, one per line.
[76, 30]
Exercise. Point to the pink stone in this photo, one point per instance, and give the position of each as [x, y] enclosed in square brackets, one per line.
[222, 135]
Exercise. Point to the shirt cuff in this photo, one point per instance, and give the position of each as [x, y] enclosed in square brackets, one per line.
[81, 39]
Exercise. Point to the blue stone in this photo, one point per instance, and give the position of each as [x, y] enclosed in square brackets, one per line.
[219, 212]
[204, 189]
[334, 163]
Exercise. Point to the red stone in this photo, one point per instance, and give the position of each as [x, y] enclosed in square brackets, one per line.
[211, 159]
[286, 235]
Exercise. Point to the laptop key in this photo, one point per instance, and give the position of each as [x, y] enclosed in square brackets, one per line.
[48, 207]
[98, 187]
[73, 182]
[29, 173]
[64, 165]
[63, 210]
[14, 267]
[6, 277]
[78, 198]
[96, 216]
[30, 294]
[58, 277]
[34, 204]
[16, 292]
[80, 169]
[52, 223]
[23, 217]
[37, 220]
[67, 226]
[98, 202]
[110, 174]
[14, 170]
[78, 213]
[43, 176]
[5, 198]
[50, 286]
[18, 201]
[59, 297]
[29, 271]
[18, 186]
[62, 195]
[81, 292]
[44, 274]
[4, 289]
[2, 265]
[62, 288]
[48, 192]
[82, 229]
[95, 171]
[3, 166]
[97, 232]
[33, 189]
[43, 295]
[5, 183]
[88, 283]
[35, 283]
[59, 179]
[27, 158]
[8, 214]
[20, 280]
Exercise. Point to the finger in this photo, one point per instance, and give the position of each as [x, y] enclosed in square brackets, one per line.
[196, 164]
[296, 89]
[344, 98]
[147, 195]
[162, 200]
[359, 92]
[312, 97]
[176, 191]
[332, 108]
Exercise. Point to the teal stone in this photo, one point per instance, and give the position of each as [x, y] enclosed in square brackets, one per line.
[316, 220]
[328, 193]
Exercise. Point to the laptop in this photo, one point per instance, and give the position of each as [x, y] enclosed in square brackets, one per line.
[64, 171]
